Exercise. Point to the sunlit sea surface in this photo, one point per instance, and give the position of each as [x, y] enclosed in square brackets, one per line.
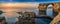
[11, 14]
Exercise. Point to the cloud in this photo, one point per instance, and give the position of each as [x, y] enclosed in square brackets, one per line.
[30, 0]
[19, 5]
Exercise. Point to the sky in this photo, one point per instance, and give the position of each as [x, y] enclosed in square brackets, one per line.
[28, 2]
[31, 0]
[19, 5]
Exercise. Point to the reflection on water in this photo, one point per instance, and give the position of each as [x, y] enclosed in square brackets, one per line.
[11, 15]
[42, 21]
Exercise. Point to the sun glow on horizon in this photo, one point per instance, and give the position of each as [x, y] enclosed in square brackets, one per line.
[9, 4]
[18, 5]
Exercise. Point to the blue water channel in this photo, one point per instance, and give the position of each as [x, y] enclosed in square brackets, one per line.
[42, 21]
[49, 12]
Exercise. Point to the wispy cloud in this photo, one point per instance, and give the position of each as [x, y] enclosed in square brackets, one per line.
[30, 0]
[20, 5]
